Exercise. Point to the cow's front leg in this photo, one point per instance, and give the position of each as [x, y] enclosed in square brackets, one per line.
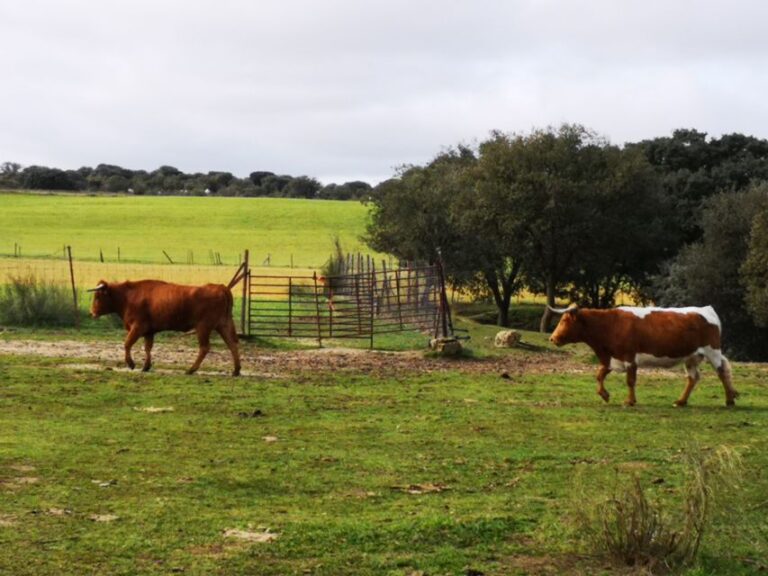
[601, 374]
[204, 339]
[631, 381]
[149, 340]
[130, 340]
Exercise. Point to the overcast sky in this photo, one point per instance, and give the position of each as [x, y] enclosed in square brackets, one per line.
[344, 89]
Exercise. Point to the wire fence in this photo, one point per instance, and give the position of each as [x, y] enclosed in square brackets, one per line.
[63, 269]
[362, 299]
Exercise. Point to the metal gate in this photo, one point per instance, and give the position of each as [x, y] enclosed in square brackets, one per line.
[357, 305]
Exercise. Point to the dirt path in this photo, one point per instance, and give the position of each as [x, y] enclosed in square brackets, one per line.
[262, 362]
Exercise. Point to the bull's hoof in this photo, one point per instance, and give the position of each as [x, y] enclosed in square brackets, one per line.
[680, 403]
[730, 403]
[629, 403]
[236, 372]
[605, 396]
[131, 365]
[190, 371]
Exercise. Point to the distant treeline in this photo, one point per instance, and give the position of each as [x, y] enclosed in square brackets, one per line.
[167, 180]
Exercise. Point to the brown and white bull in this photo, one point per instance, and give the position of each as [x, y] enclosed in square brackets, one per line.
[625, 338]
[147, 307]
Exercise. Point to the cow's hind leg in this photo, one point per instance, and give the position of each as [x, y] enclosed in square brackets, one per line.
[631, 381]
[723, 367]
[149, 341]
[131, 339]
[725, 375]
[692, 368]
[204, 339]
[229, 335]
[601, 374]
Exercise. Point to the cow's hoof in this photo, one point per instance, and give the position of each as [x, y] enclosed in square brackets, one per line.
[629, 403]
[190, 371]
[680, 403]
[730, 403]
[606, 397]
[145, 369]
[236, 373]
[131, 365]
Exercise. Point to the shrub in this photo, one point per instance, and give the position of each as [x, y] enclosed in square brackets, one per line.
[29, 301]
[334, 266]
[633, 529]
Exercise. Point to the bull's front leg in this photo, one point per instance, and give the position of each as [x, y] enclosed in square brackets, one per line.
[631, 381]
[602, 372]
[130, 340]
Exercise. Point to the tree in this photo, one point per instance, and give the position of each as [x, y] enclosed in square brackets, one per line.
[754, 271]
[709, 272]
[258, 177]
[356, 190]
[694, 168]
[43, 178]
[633, 233]
[302, 187]
[10, 175]
[549, 185]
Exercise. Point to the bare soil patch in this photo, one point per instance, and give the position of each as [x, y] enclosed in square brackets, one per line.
[174, 356]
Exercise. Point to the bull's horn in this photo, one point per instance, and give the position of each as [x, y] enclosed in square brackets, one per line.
[563, 310]
[99, 287]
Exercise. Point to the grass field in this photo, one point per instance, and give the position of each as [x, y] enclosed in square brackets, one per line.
[415, 470]
[142, 227]
[322, 462]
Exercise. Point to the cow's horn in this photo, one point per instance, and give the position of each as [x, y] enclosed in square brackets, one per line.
[557, 310]
[99, 287]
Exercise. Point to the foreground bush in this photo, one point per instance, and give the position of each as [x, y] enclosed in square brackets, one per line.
[635, 530]
[29, 301]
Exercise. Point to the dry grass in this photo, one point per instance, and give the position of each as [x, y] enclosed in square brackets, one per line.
[633, 528]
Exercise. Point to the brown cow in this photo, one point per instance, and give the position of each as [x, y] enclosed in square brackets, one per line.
[627, 337]
[151, 306]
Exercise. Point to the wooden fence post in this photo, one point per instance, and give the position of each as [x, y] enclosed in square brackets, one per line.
[245, 304]
[74, 290]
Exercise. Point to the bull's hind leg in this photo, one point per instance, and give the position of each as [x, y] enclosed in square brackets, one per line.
[229, 335]
[631, 381]
[204, 339]
[149, 341]
[692, 368]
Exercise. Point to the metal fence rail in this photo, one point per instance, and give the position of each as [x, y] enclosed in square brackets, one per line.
[358, 305]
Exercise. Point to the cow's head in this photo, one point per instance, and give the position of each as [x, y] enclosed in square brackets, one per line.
[568, 330]
[103, 303]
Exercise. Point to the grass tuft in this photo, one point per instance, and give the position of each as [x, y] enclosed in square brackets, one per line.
[634, 529]
[29, 301]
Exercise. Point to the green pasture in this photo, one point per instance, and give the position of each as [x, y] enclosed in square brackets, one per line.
[104, 471]
[142, 227]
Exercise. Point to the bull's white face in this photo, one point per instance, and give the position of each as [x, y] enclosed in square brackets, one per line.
[568, 330]
[102, 301]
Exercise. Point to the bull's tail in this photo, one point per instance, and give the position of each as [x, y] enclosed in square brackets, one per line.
[230, 301]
